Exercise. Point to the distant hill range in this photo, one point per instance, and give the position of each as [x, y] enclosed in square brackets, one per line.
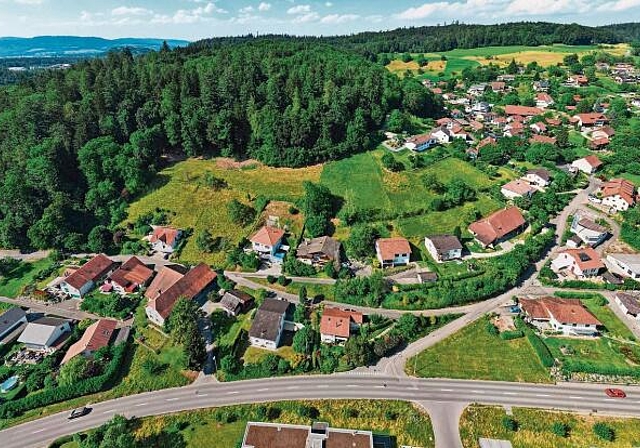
[74, 46]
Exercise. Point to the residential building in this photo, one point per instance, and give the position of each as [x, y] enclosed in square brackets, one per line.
[545, 139]
[589, 120]
[627, 265]
[523, 111]
[538, 127]
[498, 227]
[267, 242]
[589, 232]
[45, 334]
[587, 165]
[133, 274]
[268, 324]
[11, 320]
[544, 100]
[337, 325]
[443, 247]
[618, 194]
[95, 337]
[319, 251]
[517, 188]
[194, 285]
[83, 280]
[164, 240]
[393, 252]
[420, 143]
[577, 81]
[581, 263]
[629, 304]
[541, 86]
[235, 302]
[318, 435]
[539, 177]
[598, 144]
[477, 89]
[506, 78]
[167, 276]
[568, 316]
[498, 86]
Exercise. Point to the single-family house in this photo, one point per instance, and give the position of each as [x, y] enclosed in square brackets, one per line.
[268, 324]
[319, 251]
[544, 100]
[166, 278]
[164, 239]
[541, 86]
[603, 132]
[480, 107]
[589, 232]
[95, 337]
[629, 304]
[517, 188]
[598, 144]
[538, 127]
[618, 194]
[45, 334]
[589, 120]
[267, 241]
[544, 139]
[443, 247]
[393, 252]
[523, 111]
[498, 86]
[83, 280]
[476, 126]
[498, 227]
[477, 89]
[568, 316]
[506, 78]
[486, 141]
[11, 320]
[539, 177]
[337, 325]
[235, 302]
[588, 165]
[194, 285]
[577, 81]
[318, 435]
[420, 143]
[130, 276]
[581, 263]
[627, 265]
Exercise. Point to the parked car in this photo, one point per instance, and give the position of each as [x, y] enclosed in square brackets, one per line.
[79, 412]
[594, 199]
[615, 393]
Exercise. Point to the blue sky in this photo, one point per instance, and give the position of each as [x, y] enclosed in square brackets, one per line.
[193, 19]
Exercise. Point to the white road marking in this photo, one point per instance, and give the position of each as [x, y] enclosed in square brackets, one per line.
[263, 390]
[293, 387]
[109, 411]
[39, 430]
[233, 392]
[205, 395]
[322, 386]
[446, 390]
[542, 395]
[477, 391]
[172, 399]
[510, 393]
[353, 385]
[580, 398]
[141, 404]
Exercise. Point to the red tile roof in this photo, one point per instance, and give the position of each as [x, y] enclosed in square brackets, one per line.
[131, 274]
[519, 187]
[525, 111]
[594, 161]
[163, 281]
[96, 336]
[267, 236]
[565, 311]
[585, 259]
[543, 96]
[537, 138]
[337, 322]
[390, 247]
[168, 235]
[486, 141]
[498, 225]
[620, 187]
[91, 271]
[590, 118]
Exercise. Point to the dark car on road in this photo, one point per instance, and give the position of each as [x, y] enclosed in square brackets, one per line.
[79, 412]
[615, 393]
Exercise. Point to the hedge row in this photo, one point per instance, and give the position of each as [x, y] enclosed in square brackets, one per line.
[62, 393]
[509, 335]
[546, 358]
[582, 367]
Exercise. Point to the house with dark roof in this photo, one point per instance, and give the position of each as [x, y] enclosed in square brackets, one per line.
[629, 304]
[498, 227]
[337, 325]
[627, 265]
[589, 232]
[194, 285]
[235, 302]
[568, 316]
[45, 334]
[83, 280]
[11, 320]
[95, 337]
[130, 276]
[580, 263]
[539, 177]
[319, 251]
[393, 252]
[318, 435]
[268, 324]
[443, 247]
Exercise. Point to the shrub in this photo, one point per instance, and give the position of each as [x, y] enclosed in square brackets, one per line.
[541, 349]
[271, 279]
[560, 429]
[510, 335]
[604, 431]
[509, 423]
[492, 329]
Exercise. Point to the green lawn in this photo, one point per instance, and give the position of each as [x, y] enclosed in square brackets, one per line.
[601, 352]
[534, 429]
[473, 353]
[24, 275]
[313, 289]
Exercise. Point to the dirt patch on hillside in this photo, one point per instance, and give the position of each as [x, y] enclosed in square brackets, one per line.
[230, 164]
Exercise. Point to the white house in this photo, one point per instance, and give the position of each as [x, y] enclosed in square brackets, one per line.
[87, 276]
[568, 316]
[629, 304]
[267, 242]
[587, 230]
[544, 100]
[443, 247]
[627, 265]
[517, 189]
[588, 165]
[268, 324]
[337, 325]
[618, 194]
[164, 239]
[41, 335]
[393, 252]
[539, 177]
[581, 263]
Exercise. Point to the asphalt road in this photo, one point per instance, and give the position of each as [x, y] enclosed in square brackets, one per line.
[571, 397]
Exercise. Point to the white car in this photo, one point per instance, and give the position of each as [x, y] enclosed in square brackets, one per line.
[594, 199]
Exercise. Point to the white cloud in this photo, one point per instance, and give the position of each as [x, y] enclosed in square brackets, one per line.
[328, 4]
[300, 9]
[339, 18]
[306, 18]
[619, 5]
[421, 12]
[186, 16]
[130, 11]
[546, 7]
[264, 6]
[29, 2]
[246, 10]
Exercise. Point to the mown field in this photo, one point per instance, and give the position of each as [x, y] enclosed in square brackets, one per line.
[473, 353]
[534, 429]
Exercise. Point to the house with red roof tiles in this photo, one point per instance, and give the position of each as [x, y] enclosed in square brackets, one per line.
[132, 275]
[618, 194]
[498, 227]
[588, 165]
[568, 316]
[579, 263]
[544, 100]
[523, 111]
[95, 337]
[337, 325]
[84, 279]
[267, 241]
[164, 239]
[393, 252]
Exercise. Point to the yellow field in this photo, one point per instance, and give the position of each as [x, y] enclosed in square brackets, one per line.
[542, 57]
[199, 207]
[399, 67]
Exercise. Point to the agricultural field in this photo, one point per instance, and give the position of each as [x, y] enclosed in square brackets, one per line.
[473, 353]
[180, 189]
[534, 428]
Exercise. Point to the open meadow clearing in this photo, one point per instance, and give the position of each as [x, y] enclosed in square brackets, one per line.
[534, 428]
